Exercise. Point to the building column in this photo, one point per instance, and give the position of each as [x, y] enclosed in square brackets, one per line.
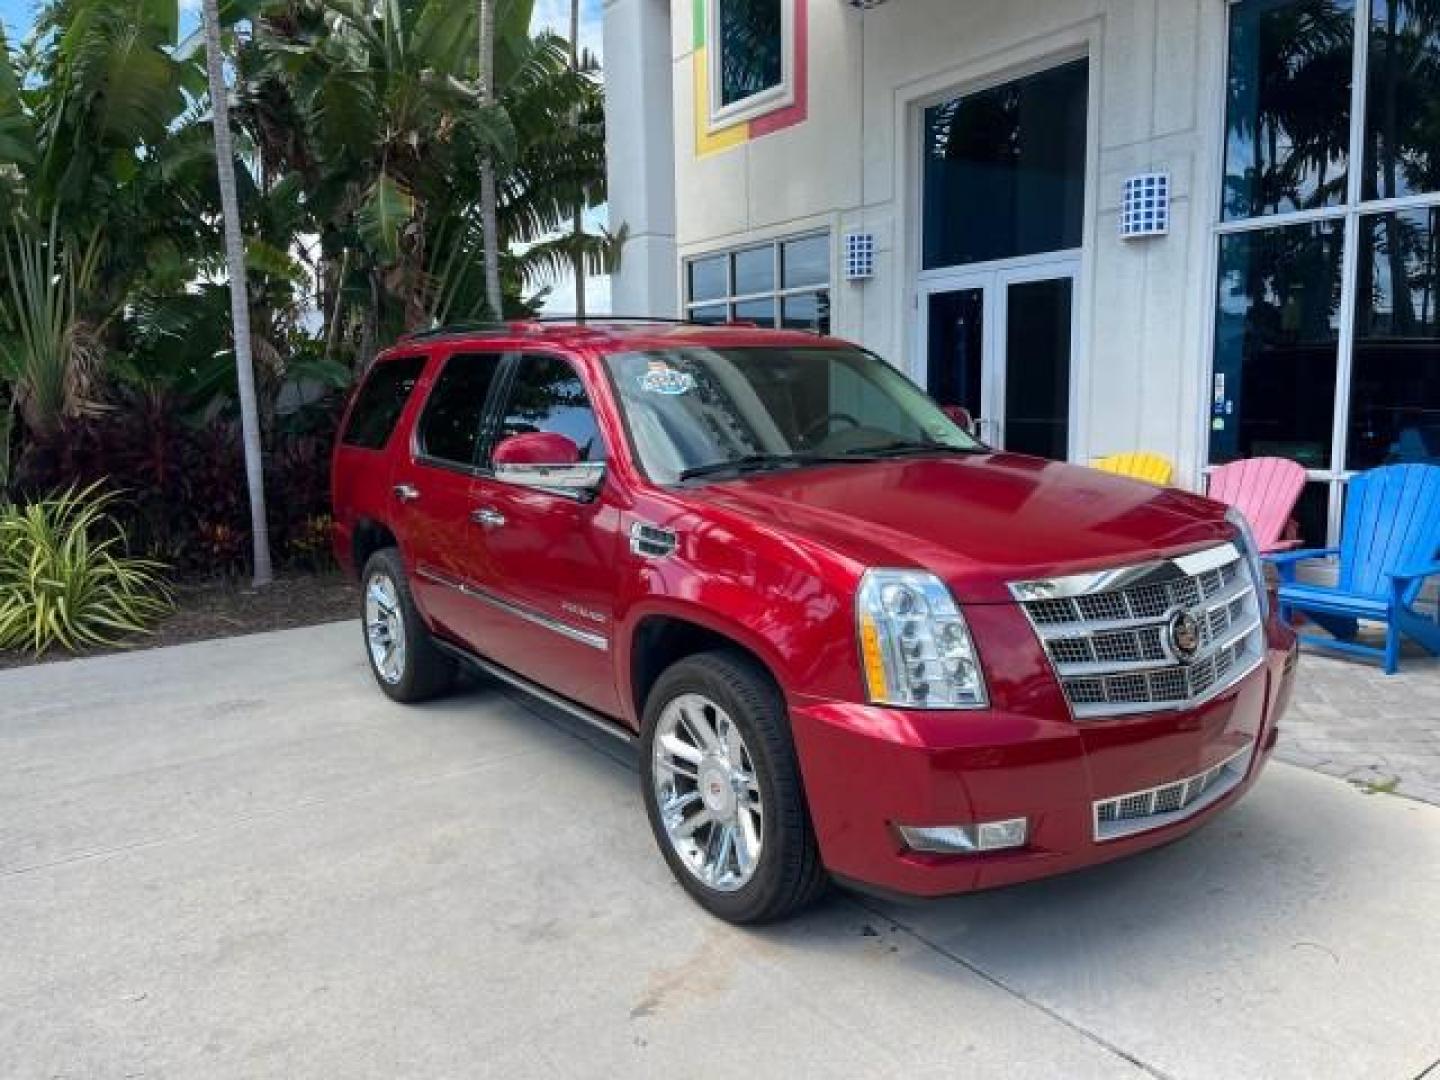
[640, 152]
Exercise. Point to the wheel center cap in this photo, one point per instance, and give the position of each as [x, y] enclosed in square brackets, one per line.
[716, 790]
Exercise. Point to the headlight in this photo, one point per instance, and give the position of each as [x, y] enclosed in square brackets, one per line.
[914, 644]
[1251, 551]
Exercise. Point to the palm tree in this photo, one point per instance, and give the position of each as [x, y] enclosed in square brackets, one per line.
[488, 221]
[577, 229]
[377, 110]
[239, 294]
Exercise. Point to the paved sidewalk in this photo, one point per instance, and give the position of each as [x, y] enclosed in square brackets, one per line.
[238, 859]
[1380, 732]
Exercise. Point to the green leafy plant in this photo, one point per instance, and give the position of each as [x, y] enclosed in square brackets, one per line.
[65, 578]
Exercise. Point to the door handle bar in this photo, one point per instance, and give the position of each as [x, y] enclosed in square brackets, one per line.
[488, 517]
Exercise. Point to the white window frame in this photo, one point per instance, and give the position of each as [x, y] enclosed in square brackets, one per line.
[765, 101]
[1351, 212]
[778, 293]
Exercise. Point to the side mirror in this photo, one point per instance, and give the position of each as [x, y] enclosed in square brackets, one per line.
[961, 417]
[547, 461]
[536, 448]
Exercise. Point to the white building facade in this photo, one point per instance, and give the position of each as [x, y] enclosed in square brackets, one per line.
[945, 182]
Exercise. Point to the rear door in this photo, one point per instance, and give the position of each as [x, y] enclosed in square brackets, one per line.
[360, 470]
[550, 556]
[433, 486]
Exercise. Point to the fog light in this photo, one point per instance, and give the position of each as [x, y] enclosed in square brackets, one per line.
[963, 839]
[995, 835]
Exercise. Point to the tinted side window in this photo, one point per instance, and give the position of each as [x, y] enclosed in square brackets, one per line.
[381, 401]
[450, 426]
[547, 395]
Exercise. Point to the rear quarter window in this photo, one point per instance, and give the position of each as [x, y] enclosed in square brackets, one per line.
[380, 402]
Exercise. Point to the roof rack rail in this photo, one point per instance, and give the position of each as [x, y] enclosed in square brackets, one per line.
[512, 325]
[614, 319]
[463, 327]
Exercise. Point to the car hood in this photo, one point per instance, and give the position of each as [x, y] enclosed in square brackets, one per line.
[979, 521]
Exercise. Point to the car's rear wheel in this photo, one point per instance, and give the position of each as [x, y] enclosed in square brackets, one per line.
[403, 658]
[723, 793]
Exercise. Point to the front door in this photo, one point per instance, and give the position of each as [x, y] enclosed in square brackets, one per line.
[550, 557]
[999, 343]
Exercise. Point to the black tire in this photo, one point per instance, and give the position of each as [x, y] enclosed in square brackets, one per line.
[425, 671]
[789, 875]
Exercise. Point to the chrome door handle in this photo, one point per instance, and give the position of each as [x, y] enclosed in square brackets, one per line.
[491, 519]
[406, 492]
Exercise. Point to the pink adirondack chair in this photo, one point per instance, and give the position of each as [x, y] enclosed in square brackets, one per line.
[1265, 490]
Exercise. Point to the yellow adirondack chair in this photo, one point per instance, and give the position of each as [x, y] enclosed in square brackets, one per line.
[1139, 465]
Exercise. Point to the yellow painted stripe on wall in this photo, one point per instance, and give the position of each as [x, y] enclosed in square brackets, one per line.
[706, 141]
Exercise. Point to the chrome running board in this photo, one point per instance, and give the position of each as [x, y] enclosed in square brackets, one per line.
[598, 721]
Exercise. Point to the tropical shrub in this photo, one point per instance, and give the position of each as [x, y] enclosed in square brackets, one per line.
[66, 579]
[179, 479]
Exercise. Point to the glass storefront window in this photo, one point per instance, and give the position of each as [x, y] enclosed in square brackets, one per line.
[1395, 382]
[1287, 115]
[761, 312]
[1280, 359]
[1277, 335]
[1312, 515]
[1402, 114]
[755, 270]
[1037, 388]
[806, 311]
[741, 284]
[957, 344]
[707, 279]
[1004, 169]
[805, 261]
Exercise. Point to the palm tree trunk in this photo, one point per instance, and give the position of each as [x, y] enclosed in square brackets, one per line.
[239, 294]
[488, 213]
[578, 222]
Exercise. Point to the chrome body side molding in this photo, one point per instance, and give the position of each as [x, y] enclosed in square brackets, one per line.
[574, 633]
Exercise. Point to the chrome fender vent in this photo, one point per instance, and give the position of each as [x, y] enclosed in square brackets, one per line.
[651, 541]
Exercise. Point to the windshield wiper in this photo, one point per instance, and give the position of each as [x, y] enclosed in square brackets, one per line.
[901, 448]
[765, 462]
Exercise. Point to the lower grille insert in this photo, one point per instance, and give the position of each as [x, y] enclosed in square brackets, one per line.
[1140, 811]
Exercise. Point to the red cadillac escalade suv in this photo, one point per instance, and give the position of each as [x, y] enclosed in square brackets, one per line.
[851, 641]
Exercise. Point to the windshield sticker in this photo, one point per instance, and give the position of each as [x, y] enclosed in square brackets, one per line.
[663, 379]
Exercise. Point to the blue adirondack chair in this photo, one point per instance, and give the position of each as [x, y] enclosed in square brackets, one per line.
[1388, 548]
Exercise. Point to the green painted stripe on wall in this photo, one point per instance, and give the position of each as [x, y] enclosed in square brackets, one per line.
[697, 23]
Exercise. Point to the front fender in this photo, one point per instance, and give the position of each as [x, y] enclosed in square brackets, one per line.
[793, 607]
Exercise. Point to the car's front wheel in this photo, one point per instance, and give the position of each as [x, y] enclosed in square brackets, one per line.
[723, 793]
[404, 660]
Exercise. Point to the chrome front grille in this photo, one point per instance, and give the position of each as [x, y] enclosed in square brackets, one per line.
[1138, 811]
[1116, 638]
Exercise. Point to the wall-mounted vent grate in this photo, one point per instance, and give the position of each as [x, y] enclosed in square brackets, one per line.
[1146, 208]
[859, 256]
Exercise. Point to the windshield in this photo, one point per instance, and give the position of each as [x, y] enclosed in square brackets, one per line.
[694, 411]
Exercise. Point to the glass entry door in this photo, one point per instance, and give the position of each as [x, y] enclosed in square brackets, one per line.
[999, 343]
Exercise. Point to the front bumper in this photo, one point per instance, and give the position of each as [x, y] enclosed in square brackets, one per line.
[867, 769]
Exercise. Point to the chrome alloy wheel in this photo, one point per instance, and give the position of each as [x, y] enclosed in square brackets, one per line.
[385, 628]
[707, 792]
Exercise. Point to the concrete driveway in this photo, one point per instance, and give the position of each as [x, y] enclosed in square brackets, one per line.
[237, 859]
